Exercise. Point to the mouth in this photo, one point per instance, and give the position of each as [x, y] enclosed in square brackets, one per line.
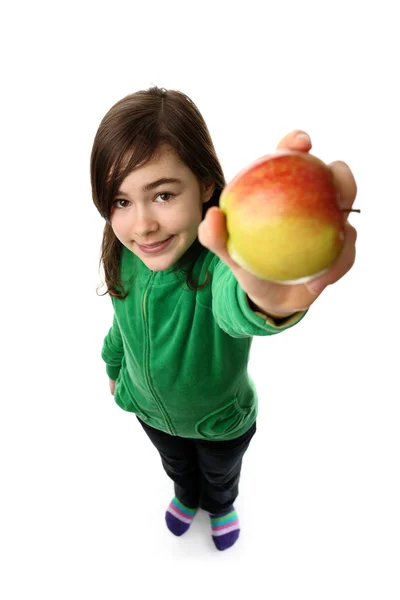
[157, 247]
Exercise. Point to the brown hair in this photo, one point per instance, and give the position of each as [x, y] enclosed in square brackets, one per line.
[128, 136]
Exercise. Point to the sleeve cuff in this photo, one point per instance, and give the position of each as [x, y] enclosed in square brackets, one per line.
[272, 323]
[113, 372]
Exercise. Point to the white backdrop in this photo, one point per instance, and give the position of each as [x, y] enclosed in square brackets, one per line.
[320, 495]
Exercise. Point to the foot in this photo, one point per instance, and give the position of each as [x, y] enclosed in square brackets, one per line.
[225, 528]
[179, 517]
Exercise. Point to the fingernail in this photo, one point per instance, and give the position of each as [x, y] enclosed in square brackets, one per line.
[303, 137]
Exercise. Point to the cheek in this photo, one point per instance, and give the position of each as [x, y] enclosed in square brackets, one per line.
[188, 219]
[119, 226]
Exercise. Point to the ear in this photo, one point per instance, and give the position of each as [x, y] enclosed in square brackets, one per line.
[208, 190]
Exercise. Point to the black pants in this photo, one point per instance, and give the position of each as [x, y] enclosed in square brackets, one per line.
[206, 474]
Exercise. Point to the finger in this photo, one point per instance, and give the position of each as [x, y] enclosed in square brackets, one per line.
[345, 184]
[341, 266]
[213, 235]
[296, 140]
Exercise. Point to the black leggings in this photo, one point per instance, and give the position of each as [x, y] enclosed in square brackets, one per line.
[206, 473]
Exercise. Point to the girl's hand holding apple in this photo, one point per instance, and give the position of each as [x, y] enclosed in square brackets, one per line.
[282, 227]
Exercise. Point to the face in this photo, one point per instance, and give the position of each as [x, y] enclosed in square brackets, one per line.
[155, 218]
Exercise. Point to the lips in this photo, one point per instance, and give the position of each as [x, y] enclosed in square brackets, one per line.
[153, 245]
[157, 247]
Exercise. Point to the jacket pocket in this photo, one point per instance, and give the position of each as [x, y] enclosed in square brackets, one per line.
[225, 420]
[125, 400]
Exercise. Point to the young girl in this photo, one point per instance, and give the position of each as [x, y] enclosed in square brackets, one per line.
[184, 311]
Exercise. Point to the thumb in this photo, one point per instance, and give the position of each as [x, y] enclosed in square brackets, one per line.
[213, 235]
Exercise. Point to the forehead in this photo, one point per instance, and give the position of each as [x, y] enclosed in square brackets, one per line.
[166, 163]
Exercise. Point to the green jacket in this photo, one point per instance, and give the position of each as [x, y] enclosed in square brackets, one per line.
[179, 356]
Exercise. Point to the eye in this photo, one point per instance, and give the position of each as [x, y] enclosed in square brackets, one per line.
[119, 200]
[164, 200]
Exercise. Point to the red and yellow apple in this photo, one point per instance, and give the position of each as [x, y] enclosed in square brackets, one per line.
[283, 219]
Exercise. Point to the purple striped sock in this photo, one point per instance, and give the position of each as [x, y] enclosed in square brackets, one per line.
[225, 528]
[179, 517]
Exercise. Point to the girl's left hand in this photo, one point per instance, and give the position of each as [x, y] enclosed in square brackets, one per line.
[280, 300]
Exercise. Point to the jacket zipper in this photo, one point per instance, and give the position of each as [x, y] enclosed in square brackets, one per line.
[146, 362]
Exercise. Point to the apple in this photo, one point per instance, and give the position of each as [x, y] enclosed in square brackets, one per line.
[283, 219]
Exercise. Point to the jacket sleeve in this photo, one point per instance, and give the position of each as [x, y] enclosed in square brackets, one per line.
[113, 350]
[232, 311]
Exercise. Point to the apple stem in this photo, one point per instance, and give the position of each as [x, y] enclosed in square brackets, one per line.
[351, 210]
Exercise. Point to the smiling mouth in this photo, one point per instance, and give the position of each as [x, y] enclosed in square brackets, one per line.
[155, 245]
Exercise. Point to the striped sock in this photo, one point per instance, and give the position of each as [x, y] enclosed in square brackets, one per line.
[179, 517]
[225, 528]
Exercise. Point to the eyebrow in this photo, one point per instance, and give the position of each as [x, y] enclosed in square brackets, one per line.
[154, 184]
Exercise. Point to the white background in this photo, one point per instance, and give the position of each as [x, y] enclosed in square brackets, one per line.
[82, 491]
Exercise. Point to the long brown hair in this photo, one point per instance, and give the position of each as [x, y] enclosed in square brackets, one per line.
[128, 136]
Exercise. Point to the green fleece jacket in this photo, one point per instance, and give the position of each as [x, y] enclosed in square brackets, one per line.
[179, 356]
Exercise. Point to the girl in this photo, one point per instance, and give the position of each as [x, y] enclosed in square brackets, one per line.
[184, 311]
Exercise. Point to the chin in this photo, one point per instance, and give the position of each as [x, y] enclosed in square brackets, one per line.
[157, 266]
[159, 263]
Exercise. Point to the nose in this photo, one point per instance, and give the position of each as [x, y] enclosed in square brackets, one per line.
[145, 222]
